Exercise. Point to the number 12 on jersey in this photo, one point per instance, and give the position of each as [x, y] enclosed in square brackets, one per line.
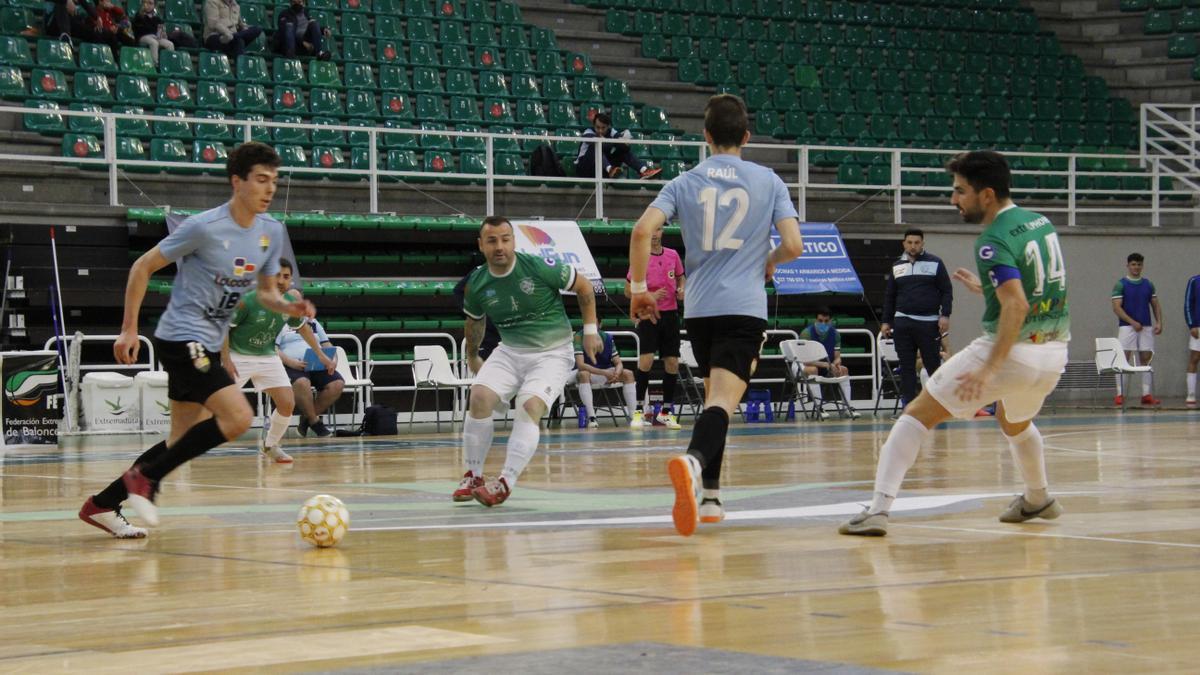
[709, 199]
[1055, 272]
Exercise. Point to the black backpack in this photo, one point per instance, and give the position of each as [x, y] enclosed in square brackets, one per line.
[544, 162]
[379, 420]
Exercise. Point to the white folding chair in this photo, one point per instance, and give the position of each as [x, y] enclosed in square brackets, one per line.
[431, 370]
[359, 386]
[888, 360]
[1110, 360]
[799, 352]
[691, 385]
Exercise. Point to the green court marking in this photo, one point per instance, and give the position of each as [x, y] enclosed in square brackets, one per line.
[530, 500]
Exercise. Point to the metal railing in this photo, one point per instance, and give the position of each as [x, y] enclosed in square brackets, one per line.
[1170, 141]
[1070, 177]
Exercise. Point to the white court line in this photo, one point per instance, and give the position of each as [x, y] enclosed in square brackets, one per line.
[1050, 535]
[1101, 454]
[178, 483]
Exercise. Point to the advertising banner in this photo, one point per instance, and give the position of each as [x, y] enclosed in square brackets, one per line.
[560, 240]
[824, 267]
[32, 397]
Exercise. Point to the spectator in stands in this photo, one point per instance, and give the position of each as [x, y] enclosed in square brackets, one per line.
[1139, 320]
[615, 156]
[822, 331]
[224, 30]
[328, 382]
[603, 370]
[71, 19]
[298, 33]
[150, 31]
[916, 309]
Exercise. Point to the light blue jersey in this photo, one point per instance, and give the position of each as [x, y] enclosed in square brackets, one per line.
[292, 343]
[218, 261]
[725, 207]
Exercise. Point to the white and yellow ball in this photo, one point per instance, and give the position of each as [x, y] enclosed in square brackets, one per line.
[323, 521]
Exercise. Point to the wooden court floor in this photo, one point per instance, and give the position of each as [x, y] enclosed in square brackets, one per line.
[583, 555]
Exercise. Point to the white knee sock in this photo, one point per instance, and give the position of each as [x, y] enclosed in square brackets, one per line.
[845, 392]
[1120, 384]
[1191, 384]
[522, 443]
[588, 398]
[630, 391]
[1147, 383]
[279, 427]
[1027, 452]
[895, 457]
[814, 390]
[477, 440]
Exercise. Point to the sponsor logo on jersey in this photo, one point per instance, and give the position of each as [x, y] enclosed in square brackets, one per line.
[527, 286]
[264, 242]
[240, 267]
[986, 252]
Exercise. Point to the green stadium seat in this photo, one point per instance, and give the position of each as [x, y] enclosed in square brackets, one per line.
[55, 54]
[1158, 22]
[326, 102]
[460, 82]
[654, 46]
[172, 128]
[251, 98]
[44, 123]
[289, 135]
[48, 83]
[329, 157]
[519, 60]
[356, 49]
[164, 150]
[210, 152]
[323, 135]
[170, 64]
[12, 83]
[289, 99]
[487, 58]
[768, 123]
[452, 33]
[395, 105]
[356, 25]
[550, 62]
[99, 58]
[496, 111]
[392, 77]
[288, 71]
[426, 80]
[388, 53]
[430, 107]
[85, 125]
[325, 74]
[401, 160]
[215, 66]
[292, 155]
[464, 109]
[388, 27]
[17, 21]
[174, 92]
[14, 51]
[530, 113]
[1181, 47]
[579, 64]
[92, 87]
[219, 132]
[508, 12]
[525, 85]
[137, 61]
[482, 35]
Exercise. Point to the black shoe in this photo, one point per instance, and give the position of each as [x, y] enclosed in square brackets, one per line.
[302, 427]
[319, 430]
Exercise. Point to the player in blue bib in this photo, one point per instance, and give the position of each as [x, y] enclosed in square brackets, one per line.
[725, 207]
[220, 255]
[1139, 320]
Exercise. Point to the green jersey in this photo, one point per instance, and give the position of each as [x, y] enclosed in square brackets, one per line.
[525, 303]
[1023, 245]
[254, 328]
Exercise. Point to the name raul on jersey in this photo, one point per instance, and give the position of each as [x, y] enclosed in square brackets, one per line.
[728, 173]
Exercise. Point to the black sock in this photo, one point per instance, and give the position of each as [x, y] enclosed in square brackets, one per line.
[198, 440]
[641, 380]
[112, 496]
[669, 389]
[708, 443]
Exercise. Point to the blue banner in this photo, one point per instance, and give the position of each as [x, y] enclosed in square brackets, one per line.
[824, 267]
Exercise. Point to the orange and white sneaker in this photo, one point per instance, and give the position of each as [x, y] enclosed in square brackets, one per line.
[109, 520]
[684, 471]
[468, 484]
[711, 510]
[493, 492]
[666, 419]
[649, 172]
[1149, 399]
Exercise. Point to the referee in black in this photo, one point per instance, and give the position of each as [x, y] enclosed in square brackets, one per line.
[916, 310]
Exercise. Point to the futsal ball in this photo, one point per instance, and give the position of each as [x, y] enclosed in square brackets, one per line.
[323, 521]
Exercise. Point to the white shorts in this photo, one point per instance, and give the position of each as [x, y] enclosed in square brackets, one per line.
[1193, 343]
[1024, 381]
[265, 371]
[1136, 341]
[511, 373]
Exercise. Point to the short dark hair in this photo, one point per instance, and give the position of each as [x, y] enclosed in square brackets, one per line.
[824, 310]
[284, 262]
[248, 155]
[602, 117]
[493, 221]
[1135, 257]
[983, 169]
[726, 120]
[914, 232]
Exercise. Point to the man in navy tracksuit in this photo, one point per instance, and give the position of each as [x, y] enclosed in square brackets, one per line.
[916, 310]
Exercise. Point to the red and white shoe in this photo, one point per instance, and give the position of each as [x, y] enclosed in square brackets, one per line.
[1119, 400]
[492, 493]
[109, 520]
[141, 495]
[277, 455]
[466, 486]
[1190, 402]
[1149, 399]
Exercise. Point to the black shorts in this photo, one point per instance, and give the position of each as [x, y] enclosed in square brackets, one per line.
[185, 380]
[319, 378]
[732, 342]
[660, 338]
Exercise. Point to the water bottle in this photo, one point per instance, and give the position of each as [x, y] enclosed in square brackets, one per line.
[791, 413]
[583, 416]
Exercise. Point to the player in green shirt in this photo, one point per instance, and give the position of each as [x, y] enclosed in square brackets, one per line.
[520, 293]
[1017, 361]
[249, 354]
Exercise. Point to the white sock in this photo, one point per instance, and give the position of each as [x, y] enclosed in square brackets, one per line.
[522, 443]
[588, 398]
[477, 440]
[1027, 452]
[898, 453]
[1120, 383]
[814, 390]
[712, 494]
[1147, 383]
[845, 392]
[1191, 380]
[279, 427]
[630, 391]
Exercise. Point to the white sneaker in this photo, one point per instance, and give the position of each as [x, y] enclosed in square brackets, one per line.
[854, 414]
[638, 421]
[111, 521]
[277, 455]
[666, 420]
[711, 510]
[1190, 402]
[593, 424]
